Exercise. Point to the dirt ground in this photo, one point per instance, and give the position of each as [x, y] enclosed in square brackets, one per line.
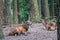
[37, 32]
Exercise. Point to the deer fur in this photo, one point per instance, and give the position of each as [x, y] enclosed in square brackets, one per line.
[20, 29]
[49, 25]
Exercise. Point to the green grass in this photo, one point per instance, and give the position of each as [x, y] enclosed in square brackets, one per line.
[1, 34]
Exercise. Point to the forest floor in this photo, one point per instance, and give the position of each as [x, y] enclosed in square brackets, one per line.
[37, 32]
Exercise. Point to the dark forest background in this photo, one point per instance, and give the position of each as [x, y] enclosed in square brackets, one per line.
[18, 11]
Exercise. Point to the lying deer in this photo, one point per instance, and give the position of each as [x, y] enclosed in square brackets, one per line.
[21, 29]
[49, 25]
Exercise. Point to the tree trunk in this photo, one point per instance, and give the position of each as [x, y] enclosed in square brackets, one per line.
[36, 17]
[1, 13]
[1, 18]
[55, 6]
[45, 8]
[39, 7]
[51, 7]
[7, 12]
[15, 13]
[58, 19]
[31, 10]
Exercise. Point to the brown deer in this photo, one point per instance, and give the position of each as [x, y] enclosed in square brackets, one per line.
[21, 29]
[49, 25]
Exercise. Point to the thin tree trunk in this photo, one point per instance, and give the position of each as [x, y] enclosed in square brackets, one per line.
[7, 12]
[15, 13]
[1, 18]
[45, 8]
[58, 19]
[36, 11]
[18, 10]
[52, 7]
[1, 13]
[31, 10]
[58, 8]
[39, 7]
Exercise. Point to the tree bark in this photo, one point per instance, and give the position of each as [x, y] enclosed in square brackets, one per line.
[15, 13]
[31, 10]
[45, 8]
[7, 12]
[1, 13]
[58, 19]
[39, 7]
[1, 18]
[51, 7]
[36, 17]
